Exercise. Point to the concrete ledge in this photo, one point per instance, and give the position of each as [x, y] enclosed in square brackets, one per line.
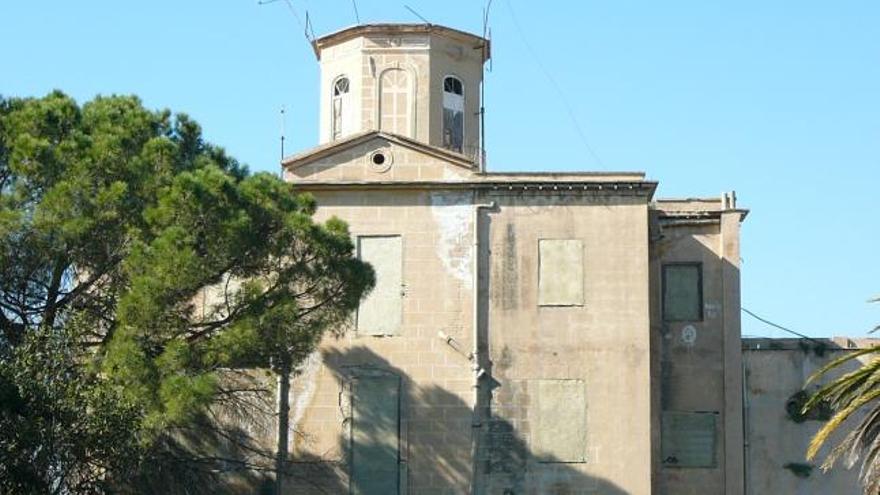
[786, 344]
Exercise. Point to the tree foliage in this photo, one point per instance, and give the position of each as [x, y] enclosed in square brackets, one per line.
[853, 399]
[60, 432]
[138, 264]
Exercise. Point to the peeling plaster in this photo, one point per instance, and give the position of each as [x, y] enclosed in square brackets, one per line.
[451, 212]
[308, 377]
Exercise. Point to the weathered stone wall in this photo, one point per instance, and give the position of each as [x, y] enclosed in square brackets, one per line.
[696, 361]
[425, 59]
[564, 406]
[570, 406]
[435, 381]
[775, 372]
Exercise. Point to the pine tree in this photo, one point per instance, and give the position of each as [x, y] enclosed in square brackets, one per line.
[140, 265]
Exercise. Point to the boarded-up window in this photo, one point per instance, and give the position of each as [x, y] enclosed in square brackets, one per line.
[560, 272]
[688, 439]
[394, 102]
[380, 312]
[559, 429]
[682, 292]
[375, 444]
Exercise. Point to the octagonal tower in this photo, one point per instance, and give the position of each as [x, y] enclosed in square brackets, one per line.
[420, 81]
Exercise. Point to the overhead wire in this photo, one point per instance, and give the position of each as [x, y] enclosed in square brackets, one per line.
[304, 25]
[426, 21]
[776, 325]
[581, 134]
[357, 15]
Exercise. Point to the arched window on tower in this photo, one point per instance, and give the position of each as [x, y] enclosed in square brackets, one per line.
[453, 113]
[341, 111]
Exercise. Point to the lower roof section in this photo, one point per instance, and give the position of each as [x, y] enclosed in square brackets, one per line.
[686, 210]
[801, 344]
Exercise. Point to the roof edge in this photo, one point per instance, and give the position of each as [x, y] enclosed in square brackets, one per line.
[610, 188]
[356, 30]
[836, 343]
[326, 149]
[694, 207]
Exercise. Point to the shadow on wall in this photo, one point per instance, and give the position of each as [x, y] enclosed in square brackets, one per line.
[225, 450]
[405, 439]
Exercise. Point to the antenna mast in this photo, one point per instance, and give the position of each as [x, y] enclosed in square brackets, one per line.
[357, 15]
[306, 26]
[487, 33]
[407, 7]
[282, 139]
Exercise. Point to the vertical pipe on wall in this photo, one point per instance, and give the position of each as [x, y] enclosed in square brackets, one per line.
[477, 419]
[745, 394]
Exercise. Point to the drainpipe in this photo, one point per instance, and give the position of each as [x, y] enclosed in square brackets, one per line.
[746, 453]
[478, 371]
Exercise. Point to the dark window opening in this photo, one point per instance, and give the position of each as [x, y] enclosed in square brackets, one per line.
[341, 86]
[453, 114]
[453, 85]
[341, 114]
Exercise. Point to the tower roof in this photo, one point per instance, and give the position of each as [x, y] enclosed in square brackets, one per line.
[399, 29]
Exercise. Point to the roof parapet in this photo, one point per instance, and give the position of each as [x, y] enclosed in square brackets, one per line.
[695, 208]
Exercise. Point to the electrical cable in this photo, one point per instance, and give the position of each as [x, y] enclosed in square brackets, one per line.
[775, 325]
[556, 86]
[303, 25]
[357, 15]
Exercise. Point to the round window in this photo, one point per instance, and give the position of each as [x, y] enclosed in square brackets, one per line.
[379, 160]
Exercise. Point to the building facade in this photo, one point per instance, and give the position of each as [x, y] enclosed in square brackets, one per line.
[529, 333]
[777, 434]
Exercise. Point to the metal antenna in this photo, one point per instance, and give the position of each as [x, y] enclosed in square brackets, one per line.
[417, 14]
[491, 65]
[486, 17]
[305, 26]
[357, 16]
[310, 31]
[486, 35]
[487, 31]
[282, 138]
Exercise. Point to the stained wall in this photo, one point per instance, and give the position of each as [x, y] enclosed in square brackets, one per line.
[776, 370]
[696, 372]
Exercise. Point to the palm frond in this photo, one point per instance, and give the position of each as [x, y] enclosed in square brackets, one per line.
[839, 450]
[840, 392]
[841, 360]
[822, 435]
[866, 434]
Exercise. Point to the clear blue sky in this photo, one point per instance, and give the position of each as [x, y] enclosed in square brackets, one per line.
[779, 100]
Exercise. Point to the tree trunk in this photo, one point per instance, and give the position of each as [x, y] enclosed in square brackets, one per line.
[283, 426]
[48, 320]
